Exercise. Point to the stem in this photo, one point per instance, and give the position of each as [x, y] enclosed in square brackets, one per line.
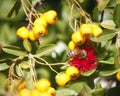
[32, 67]
[45, 63]
[49, 65]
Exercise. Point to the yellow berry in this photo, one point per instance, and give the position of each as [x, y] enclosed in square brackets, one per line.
[22, 32]
[51, 16]
[77, 38]
[73, 72]
[40, 31]
[86, 30]
[94, 25]
[32, 37]
[40, 21]
[118, 75]
[62, 79]
[45, 94]
[51, 91]
[17, 95]
[25, 92]
[35, 92]
[42, 84]
[97, 31]
[71, 45]
[21, 85]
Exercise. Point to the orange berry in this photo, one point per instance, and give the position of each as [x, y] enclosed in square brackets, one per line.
[77, 38]
[22, 32]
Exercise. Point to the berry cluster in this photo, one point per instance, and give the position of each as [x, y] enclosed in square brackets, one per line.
[42, 88]
[81, 54]
[71, 73]
[85, 32]
[39, 27]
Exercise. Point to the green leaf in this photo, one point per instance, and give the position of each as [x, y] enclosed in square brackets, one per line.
[35, 1]
[102, 4]
[97, 92]
[14, 51]
[118, 1]
[3, 66]
[107, 35]
[108, 44]
[79, 87]
[27, 45]
[108, 24]
[24, 65]
[108, 61]
[81, 1]
[88, 73]
[66, 92]
[43, 72]
[19, 71]
[98, 85]
[116, 16]
[95, 14]
[45, 50]
[15, 8]
[109, 9]
[3, 81]
[107, 70]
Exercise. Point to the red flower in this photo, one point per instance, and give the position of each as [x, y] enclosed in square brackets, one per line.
[87, 63]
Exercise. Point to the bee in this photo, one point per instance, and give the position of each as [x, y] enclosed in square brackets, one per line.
[77, 52]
